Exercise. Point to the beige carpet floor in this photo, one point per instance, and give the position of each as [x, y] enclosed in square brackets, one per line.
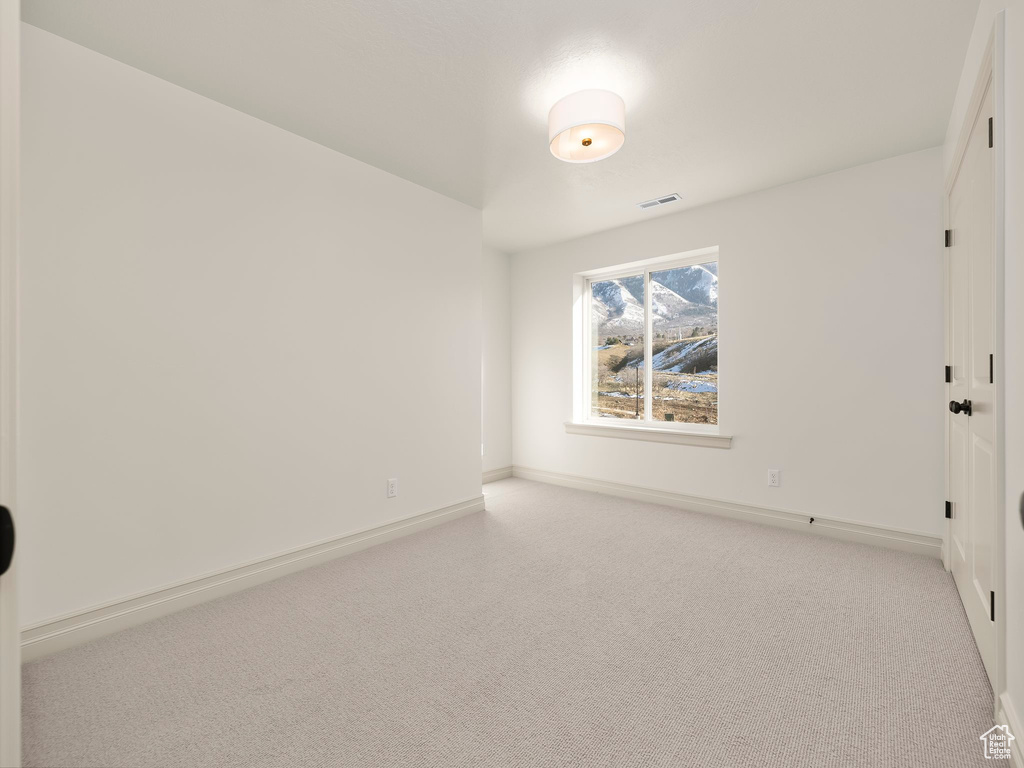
[559, 628]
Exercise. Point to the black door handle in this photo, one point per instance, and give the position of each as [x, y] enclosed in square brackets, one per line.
[964, 407]
[6, 539]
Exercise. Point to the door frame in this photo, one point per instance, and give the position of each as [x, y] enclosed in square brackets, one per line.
[990, 69]
[10, 118]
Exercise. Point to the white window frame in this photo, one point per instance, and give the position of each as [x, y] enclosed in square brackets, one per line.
[644, 429]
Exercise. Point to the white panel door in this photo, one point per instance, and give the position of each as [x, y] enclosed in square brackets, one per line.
[971, 420]
[10, 649]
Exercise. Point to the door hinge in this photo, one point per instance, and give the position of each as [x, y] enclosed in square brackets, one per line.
[949, 237]
[949, 373]
[949, 510]
[991, 369]
[990, 133]
[992, 606]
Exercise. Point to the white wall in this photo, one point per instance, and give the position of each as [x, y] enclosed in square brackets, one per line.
[497, 361]
[231, 337]
[831, 354]
[1013, 287]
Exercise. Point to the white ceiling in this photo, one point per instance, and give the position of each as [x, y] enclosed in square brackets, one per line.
[723, 97]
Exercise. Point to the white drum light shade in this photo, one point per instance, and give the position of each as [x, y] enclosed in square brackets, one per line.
[587, 126]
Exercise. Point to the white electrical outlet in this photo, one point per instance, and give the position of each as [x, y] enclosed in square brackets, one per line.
[774, 477]
[392, 487]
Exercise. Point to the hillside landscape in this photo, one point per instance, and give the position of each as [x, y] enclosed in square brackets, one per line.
[684, 346]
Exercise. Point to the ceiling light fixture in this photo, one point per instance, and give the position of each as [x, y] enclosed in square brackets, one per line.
[587, 126]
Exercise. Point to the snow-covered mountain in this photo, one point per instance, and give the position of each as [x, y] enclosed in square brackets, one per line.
[698, 284]
[616, 309]
[666, 303]
[679, 297]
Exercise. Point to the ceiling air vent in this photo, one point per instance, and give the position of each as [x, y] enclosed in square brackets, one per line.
[658, 201]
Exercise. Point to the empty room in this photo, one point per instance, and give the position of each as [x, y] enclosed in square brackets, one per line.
[525, 384]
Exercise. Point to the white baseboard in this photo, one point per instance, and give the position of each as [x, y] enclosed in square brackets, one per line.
[1008, 716]
[892, 538]
[79, 627]
[497, 474]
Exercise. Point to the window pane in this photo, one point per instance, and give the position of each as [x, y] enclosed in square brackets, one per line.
[617, 373]
[684, 307]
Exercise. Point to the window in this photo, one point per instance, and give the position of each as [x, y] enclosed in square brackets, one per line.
[665, 312]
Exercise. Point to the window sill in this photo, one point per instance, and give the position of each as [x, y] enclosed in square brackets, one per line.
[652, 434]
